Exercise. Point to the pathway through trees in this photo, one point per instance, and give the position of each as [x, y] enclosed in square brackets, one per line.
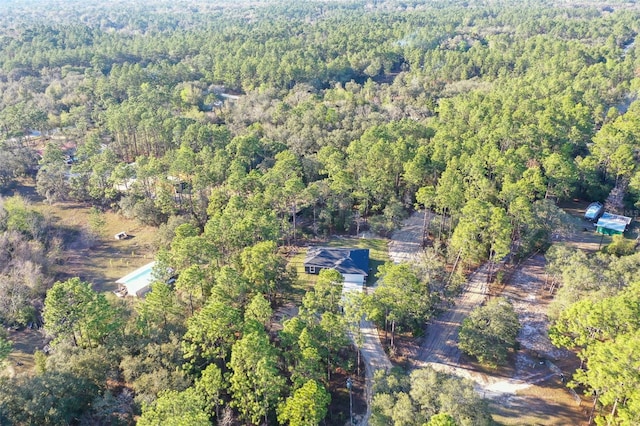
[515, 394]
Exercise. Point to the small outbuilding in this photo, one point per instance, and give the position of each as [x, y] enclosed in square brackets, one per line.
[612, 224]
[353, 264]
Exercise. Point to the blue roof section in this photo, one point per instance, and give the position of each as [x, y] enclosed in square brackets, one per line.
[343, 260]
[614, 222]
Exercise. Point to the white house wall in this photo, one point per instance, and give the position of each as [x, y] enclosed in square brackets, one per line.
[353, 278]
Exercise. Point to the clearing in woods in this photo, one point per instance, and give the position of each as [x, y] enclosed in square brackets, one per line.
[100, 261]
[530, 389]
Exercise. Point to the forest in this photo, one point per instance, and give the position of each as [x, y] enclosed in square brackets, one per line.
[241, 131]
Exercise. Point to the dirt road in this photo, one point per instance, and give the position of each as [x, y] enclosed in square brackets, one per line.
[405, 244]
[531, 391]
[441, 343]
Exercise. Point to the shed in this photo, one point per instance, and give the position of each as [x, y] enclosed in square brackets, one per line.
[353, 264]
[612, 224]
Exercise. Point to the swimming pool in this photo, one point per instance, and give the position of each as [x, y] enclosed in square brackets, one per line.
[137, 282]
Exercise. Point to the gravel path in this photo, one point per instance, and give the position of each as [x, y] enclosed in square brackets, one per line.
[406, 242]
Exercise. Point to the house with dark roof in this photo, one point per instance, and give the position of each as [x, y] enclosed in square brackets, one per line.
[353, 264]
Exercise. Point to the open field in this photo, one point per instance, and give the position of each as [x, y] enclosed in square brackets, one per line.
[100, 260]
[25, 343]
[107, 259]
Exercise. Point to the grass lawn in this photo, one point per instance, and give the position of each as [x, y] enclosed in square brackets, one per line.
[108, 259]
[378, 255]
[25, 342]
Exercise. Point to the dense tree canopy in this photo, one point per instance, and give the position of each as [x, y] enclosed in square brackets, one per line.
[239, 128]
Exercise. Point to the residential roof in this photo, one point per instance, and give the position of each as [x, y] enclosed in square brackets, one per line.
[614, 222]
[343, 260]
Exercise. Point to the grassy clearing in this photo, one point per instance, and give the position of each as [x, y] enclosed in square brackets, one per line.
[110, 259]
[25, 343]
[107, 259]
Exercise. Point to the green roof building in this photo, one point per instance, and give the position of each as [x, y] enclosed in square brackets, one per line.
[612, 224]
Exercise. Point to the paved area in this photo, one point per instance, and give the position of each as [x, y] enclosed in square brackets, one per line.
[374, 359]
[373, 355]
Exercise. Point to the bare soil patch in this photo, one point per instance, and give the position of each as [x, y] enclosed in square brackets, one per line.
[582, 233]
[25, 343]
[538, 363]
[529, 390]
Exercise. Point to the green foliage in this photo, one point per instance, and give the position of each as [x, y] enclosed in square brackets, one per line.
[620, 246]
[325, 295]
[582, 276]
[586, 322]
[346, 117]
[400, 299]
[306, 407]
[52, 182]
[176, 409]
[5, 348]
[21, 217]
[255, 382]
[426, 397]
[72, 310]
[97, 221]
[159, 309]
[155, 366]
[441, 419]
[484, 231]
[210, 387]
[49, 399]
[613, 374]
[605, 330]
[258, 312]
[211, 332]
[489, 332]
[263, 267]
